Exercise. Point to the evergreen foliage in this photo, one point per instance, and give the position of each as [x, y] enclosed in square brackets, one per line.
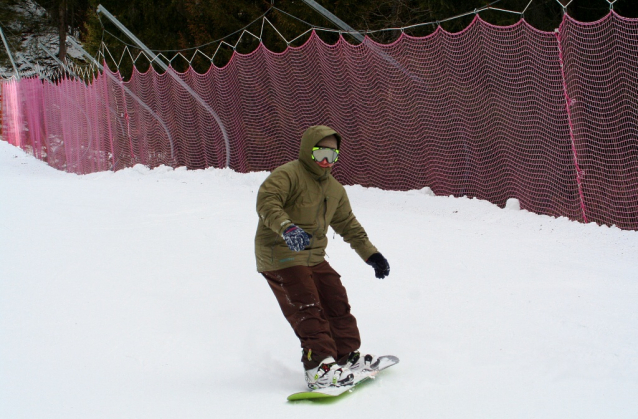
[179, 25]
[29, 22]
[17, 21]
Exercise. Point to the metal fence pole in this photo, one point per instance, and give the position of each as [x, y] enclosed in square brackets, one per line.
[127, 90]
[57, 60]
[154, 58]
[334, 19]
[6, 45]
[357, 35]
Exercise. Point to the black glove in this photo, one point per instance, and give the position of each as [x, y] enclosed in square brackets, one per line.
[380, 265]
[296, 238]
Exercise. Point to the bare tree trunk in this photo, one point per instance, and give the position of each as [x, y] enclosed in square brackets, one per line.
[62, 28]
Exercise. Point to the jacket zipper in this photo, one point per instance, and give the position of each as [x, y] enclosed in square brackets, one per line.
[323, 192]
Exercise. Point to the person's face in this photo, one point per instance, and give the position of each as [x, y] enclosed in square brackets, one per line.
[328, 142]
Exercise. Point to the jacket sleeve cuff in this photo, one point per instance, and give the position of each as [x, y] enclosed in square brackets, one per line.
[366, 252]
[284, 224]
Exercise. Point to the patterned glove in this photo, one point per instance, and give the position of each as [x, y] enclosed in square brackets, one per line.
[380, 265]
[296, 238]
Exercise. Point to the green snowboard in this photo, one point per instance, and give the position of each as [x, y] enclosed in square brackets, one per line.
[382, 363]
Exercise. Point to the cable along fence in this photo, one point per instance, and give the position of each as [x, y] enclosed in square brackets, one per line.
[550, 118]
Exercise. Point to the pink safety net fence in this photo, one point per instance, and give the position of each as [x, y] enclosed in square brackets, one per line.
[550, 118]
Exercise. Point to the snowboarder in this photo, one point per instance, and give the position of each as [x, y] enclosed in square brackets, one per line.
[296, 204]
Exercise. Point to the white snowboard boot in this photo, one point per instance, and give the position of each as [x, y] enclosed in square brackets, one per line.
[328, 374]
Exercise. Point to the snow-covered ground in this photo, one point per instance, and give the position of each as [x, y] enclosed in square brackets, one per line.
[134, 295]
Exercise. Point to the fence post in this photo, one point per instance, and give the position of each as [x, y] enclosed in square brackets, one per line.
[127, 90]
[6, 45]
[568, 105]
[334, 19]
[154, 58]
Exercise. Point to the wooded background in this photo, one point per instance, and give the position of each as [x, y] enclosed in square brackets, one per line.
[176, 25]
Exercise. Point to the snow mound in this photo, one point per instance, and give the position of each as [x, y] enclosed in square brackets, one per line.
[513, 204]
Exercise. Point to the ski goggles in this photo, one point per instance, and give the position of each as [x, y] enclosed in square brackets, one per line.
[321, 153]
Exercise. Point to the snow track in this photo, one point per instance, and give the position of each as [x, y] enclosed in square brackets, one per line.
[134, 295]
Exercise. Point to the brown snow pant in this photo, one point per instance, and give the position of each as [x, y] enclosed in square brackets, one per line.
[315, 303]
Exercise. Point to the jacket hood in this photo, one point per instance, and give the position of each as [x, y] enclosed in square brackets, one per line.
[310, 138]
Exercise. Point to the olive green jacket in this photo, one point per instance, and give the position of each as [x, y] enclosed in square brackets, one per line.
[303, 193]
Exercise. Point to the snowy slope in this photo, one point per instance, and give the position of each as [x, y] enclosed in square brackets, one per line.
[134, 295]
